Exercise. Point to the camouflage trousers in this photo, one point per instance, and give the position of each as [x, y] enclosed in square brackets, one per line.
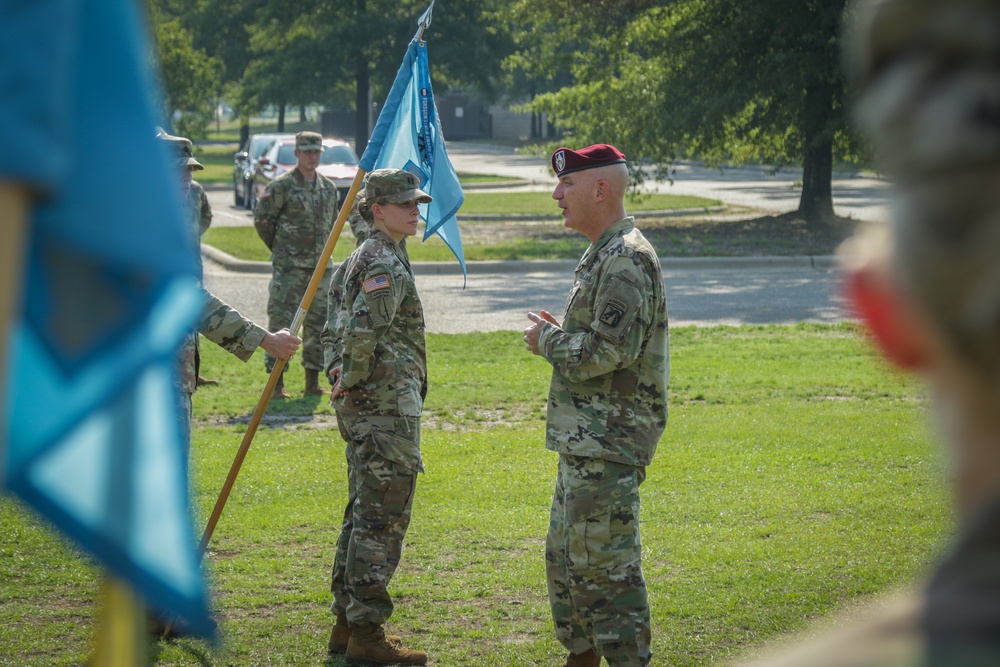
[284, 294]
[185, 406]
[593, 559]
[380, 499]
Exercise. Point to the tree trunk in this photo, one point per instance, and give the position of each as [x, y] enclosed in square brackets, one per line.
[281, 117]
[816, 202]
[302, 114]
[361, 91]
[361, 129]
[244, 128]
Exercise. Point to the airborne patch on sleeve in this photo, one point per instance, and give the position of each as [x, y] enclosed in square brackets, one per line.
[617, 308]
[375, 283]
[613, 313]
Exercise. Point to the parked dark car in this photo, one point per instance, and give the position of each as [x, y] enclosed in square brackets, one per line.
[339, 163]
[244, 162]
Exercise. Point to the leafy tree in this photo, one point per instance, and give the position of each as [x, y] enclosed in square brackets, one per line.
[467, 41]
[723, 80]
[191, 78]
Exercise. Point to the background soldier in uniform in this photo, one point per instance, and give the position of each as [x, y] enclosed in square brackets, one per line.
[606, 412]
[375, 314]
[294, 218]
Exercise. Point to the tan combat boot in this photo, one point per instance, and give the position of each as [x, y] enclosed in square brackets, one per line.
[370, 646]
[312, 384]
[279, 389]
[339, 636]
[588, 658]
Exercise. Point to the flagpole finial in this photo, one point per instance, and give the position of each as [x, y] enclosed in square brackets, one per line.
[424, 22]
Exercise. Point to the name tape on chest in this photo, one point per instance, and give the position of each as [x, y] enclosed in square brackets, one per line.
[376, 283]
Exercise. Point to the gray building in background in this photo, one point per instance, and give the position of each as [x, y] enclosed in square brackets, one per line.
[462, 119]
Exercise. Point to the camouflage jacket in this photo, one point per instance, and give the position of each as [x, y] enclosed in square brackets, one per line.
[198, 200]
[375, 332]
[220, 323]
[611, 357]
[294, 219]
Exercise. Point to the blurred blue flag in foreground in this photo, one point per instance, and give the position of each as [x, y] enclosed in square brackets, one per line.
[408, 136]
[93, 439]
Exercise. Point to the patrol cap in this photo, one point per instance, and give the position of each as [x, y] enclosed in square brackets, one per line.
[180, 149]
[567, 160]
[393, 186]
[309, 141]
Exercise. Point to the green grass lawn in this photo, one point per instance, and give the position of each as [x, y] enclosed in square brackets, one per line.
[542, 204]
[243, 242]
[796, 478]
[218, 162]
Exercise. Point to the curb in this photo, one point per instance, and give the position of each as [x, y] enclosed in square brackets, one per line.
[668, 213]
[669, 264]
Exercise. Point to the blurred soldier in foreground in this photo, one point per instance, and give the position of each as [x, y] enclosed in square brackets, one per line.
[197, 201]
[928, 81]
[376, 357]
[220, 323]
[294, 217]
[606, 412]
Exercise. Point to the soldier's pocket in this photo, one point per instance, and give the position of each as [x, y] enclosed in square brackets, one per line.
[606, 524]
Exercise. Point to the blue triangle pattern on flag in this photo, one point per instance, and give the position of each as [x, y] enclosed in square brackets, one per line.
[94, 439]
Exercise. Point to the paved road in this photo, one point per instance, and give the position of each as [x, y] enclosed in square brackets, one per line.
[699, 292]
[856, 196]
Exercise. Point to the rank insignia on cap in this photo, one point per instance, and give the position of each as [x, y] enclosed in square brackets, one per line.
[376, 283]
[560, 160]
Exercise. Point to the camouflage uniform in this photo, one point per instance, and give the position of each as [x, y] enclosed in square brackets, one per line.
[359, 226]
[199, 200]
[606, 412]
[375, 335]
[220, 323]
[294, 219]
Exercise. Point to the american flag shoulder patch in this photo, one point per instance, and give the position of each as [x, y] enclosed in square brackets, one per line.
[381, 281]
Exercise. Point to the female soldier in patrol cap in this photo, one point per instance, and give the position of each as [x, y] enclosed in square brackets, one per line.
[376, 358]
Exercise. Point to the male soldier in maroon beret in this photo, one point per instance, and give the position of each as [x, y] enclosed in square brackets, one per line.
[606, 412]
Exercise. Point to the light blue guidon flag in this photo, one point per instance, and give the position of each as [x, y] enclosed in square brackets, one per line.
[92, 437]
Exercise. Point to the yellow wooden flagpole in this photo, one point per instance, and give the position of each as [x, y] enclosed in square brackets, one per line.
[122, 634]
[279, 364]
[14, 222]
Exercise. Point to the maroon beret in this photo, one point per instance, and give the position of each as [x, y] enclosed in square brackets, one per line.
[567, 160]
